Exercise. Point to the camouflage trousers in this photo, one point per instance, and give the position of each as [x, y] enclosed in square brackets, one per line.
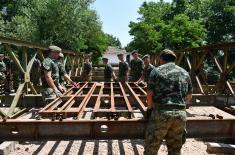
[122, 79]
[85, 77]
[48, 95]
[169, 126]
[135, 77]
[107, 79]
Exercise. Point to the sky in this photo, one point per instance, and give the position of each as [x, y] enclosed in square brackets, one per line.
[116, 15]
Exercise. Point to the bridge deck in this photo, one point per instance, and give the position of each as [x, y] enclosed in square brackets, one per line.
[110, 111]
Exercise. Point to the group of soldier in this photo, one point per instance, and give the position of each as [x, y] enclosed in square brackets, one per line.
[169, 89]
[136, 71]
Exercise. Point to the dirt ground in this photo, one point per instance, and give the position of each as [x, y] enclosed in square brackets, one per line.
[101, 147]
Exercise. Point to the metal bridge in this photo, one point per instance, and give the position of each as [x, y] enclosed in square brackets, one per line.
[99, 110]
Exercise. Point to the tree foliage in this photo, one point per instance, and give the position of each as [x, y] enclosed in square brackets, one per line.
[113, 41]
[70, 24]
[182, 24]
[160, 26]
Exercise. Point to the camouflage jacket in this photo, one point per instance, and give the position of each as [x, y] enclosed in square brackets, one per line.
[147, 71]
[50, 65]
[87, 68]
[3, 67]
[170, 84]
[62, 70]
[108, 71]
[137, 67]
[123, 68]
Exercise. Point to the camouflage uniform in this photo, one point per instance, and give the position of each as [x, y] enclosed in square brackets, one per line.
[169, 84]
[62, 71]
[3, 70]
[108, 70]
[35, 74]
[123, 68]
[49, 65]
[137, 67]
[86, 72]
[147, 71]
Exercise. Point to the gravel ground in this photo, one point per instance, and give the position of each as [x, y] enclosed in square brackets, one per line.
[101, 147]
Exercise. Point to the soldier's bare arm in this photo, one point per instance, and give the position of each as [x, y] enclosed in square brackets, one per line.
[67, 78]
[114, 76]
[149, 99]
[188, 97]
[50, 82]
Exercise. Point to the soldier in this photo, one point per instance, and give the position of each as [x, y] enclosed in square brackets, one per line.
[108, 71]
[3, 68]
[86, 70]
[51, 87]
[123, 69]
[3, 71]
[148, 67]
[137, 67]
[35, 74]
[169, 88]
[62, 72]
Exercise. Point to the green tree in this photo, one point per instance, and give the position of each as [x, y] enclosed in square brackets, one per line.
[220, 21]
[113, 41]
[159, 27]
[70, 24]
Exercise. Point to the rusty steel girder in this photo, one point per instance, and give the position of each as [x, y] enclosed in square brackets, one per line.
[110, 100]
[103, 111]
[103, 129]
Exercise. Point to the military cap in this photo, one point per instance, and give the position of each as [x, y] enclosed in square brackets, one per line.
[55, 48]
[146, 56]
[120, 54]
[133, 52]
[61, 55]
[106, 59]
[168, 55]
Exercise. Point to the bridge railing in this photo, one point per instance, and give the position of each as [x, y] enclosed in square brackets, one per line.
[21, 56]
[211, 67]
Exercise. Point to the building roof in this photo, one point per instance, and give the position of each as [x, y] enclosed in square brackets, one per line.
[115, 51]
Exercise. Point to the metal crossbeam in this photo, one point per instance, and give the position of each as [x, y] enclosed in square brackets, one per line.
[110, 100]
[94, 129]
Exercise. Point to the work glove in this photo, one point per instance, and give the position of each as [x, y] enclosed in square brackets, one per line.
[149, 112]
[58, 93]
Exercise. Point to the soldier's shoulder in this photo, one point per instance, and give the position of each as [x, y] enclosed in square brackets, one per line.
[182, 70]
[140, 60]
[132, 61]
[151, 66]
[154, 71]
[47, 60]
[47, 63]
[126, 63]
[109, 65]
